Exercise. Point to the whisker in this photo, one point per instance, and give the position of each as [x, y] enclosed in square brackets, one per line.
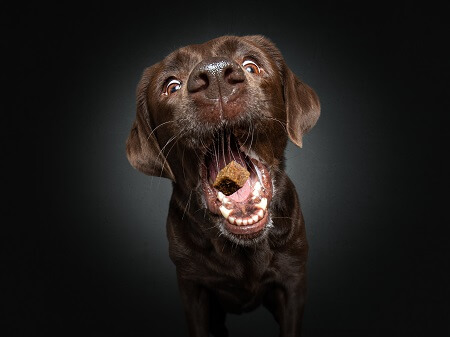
[252, 168]
[210, 228]
[205, 147]
[161, 154]
[182, 163]
[223, 147]
[248, 135]
[216, 153]
[179, 135]
[199, 160]
[251, 141]
[153, 131]
[187, 204]
[198, 210]
[284, 217]
[283, 124]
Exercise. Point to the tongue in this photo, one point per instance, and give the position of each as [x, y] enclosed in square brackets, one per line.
[242, 193]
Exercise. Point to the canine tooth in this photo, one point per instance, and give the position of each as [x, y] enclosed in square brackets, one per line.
[263, 204]
[250, 221]
[231, 219]
[260, 213]
[225, 200]
[257, 186]
[245, 222]
[220, 195]
[225, 211]
[258, 172]
[239, 221]
[255, 193]
[255, 217]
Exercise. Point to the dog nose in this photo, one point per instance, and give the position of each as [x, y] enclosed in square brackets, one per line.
[216, 76]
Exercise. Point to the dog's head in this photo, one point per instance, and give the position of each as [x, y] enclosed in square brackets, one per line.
[231, 98]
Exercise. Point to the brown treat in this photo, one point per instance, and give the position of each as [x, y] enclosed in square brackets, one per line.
[231, 178]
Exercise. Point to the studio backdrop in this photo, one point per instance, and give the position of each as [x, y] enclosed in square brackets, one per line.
[92, 253]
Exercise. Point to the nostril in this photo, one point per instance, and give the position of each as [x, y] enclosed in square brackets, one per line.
[233, 77]
[227, 72]
[203, 77]
[198, 83]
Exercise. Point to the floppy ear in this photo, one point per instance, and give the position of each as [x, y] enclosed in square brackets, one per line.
[143, 150]
[302, 103]
[302, 106]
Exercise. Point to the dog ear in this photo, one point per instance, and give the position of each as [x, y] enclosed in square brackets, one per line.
[302, 103]
[302, 106]
[143, 150]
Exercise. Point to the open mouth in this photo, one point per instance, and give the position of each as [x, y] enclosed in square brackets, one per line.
[245, 212]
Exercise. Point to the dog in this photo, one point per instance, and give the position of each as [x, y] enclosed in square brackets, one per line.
[204, 105]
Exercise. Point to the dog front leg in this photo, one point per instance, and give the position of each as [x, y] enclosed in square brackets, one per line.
[195, 300]
[286, 303]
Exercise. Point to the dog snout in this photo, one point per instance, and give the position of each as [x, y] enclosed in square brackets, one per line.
[216, 77]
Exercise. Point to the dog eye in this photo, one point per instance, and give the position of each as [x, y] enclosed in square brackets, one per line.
[251, 67]
[172, 86]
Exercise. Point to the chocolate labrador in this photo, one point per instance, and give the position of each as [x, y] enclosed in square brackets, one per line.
[203, 106]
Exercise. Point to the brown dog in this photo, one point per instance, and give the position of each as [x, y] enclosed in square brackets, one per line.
[231, 98]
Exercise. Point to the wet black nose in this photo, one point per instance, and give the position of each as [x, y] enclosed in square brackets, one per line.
[216, 76]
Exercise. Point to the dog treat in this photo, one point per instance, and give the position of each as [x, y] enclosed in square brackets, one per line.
[231, 178]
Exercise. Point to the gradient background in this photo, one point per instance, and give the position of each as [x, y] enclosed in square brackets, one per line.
[89, 248]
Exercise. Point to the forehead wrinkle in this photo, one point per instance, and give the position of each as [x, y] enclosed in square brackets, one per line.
[236, 47]
[181, 60]
[227, 47]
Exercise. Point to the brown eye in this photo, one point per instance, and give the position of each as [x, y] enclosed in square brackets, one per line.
[172, 86]
[251, 67]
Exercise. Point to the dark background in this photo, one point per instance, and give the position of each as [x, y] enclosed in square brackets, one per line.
[88, 246]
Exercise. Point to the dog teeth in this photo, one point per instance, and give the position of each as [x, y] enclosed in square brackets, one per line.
[225, 211]
[258, 172]
[260, 213]
[256, 190]
[263, 204]
[223, 198]
[254, 218]
[220, 196]
[257, 187]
